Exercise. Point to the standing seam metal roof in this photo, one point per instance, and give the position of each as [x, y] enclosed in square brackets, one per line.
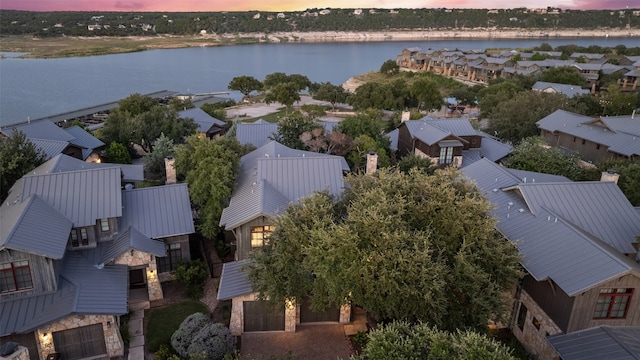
[34, 227]
[234, 281]
[602, 342]
[83, 139]
[159, 211]
[550, 246]
[81, 196]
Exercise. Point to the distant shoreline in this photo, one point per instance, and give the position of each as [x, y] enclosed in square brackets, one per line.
[59, 47]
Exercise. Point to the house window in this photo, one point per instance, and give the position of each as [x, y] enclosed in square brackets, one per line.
[259, 234]
[597, 146]
[173, 258]
[446, 155]
[15, 276]
[79, 237]
[613, 303]
[522, 316]
[574, 139]
[583, 141]
[104, 225]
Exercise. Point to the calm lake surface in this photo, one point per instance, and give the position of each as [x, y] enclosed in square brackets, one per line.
[35, 88]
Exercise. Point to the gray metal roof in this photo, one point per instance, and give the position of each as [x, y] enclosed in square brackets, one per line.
[234, 281]
[425, 132]
[256, 134]
[584, 127]
[602, 342]
[83, 139]
[493, 149]
[50, 148]
[393, 138]
[34, 227]
[551, 246]
[26, 314]
[205, 121]
[536, 177]
[567, 90]
[158, 211]
[43, 129]
[629, 124]
[81, 196]
[273, 176]
[127, 240]
[598, 207]
[456, 126]
[101, 290]
[65, 163]
[450, 143]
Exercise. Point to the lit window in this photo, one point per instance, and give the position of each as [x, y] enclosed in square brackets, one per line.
[260, 234]
[15, 276]
[170, 262]
[79, 237]
[612, 303]
[104, 225]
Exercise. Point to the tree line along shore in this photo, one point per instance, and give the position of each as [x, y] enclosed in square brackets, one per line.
[69, 46]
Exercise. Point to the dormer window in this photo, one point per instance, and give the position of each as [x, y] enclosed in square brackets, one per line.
[79, 237]
[15, 276]
[104, 225]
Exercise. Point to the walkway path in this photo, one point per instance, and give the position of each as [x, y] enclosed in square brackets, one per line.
[136, 330]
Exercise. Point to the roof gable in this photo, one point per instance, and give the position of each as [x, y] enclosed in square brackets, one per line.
[83, 139]
[202, 118]
[128, 240]
[43, 129]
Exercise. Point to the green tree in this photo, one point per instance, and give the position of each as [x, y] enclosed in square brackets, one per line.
[199, 338]
[563, 75]
[389, 67]
[210, 168]
[192, 275]
[274, 79]
[403, 246]
[515, 119]
[629, 181]
[363, 145]
[118, 153]
[331, 93]
[245, 85]
[154, 161]
[427, 93]
[291, 127]
[285, 93]
[533, 154]
[403, 341]
[18, 156]
[368, 123]
[617, 102]
[301, 82]
[118, 128]
[178, 104]
[492, 97]
[413, 161]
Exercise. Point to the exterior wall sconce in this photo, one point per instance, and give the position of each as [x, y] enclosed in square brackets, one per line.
[290, 303]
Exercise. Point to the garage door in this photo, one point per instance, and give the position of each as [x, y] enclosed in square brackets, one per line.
[262, 316]
[80, 343]
[307, 315]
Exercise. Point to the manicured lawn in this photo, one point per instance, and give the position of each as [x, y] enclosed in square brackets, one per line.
[163, 322]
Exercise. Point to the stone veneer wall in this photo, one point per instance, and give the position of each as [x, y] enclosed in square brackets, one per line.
[112, 339]
[138, 258]
[533, 339]
[345, 314]
[21, 354]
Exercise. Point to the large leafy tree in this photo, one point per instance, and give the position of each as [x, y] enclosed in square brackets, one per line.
[629, 181]
[285, 93]
[291, 128]
[18, 156]
[427, 94]
[154, 161]
[118, 153]
[210, 168]
[331, 93]
[492, 97]
[139, 120]
[389, 67]
[245, 84]
[401, 340]
[515, 119]
[402, 246]
[617, 102]
[533, 154]
[563, 75]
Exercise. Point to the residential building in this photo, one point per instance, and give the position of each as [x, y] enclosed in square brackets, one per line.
[76, 242]
[578, 243]
[555, 88]
[270, 179]
[208, 126]
[593, 139]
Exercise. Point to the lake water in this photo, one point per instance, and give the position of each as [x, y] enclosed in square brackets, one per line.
[35, 88]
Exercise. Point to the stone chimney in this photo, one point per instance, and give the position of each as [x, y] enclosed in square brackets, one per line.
[610, 175]
[170, 169]
[405, 116]
[372, 163]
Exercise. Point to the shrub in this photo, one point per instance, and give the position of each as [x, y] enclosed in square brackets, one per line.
[192, 275]
[198, 338]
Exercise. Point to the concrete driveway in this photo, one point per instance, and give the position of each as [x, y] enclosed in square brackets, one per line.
[309, 342]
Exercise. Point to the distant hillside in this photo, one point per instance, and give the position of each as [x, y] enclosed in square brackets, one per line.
[52, 24]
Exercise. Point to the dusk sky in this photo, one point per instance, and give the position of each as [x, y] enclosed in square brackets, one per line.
[291, 5]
